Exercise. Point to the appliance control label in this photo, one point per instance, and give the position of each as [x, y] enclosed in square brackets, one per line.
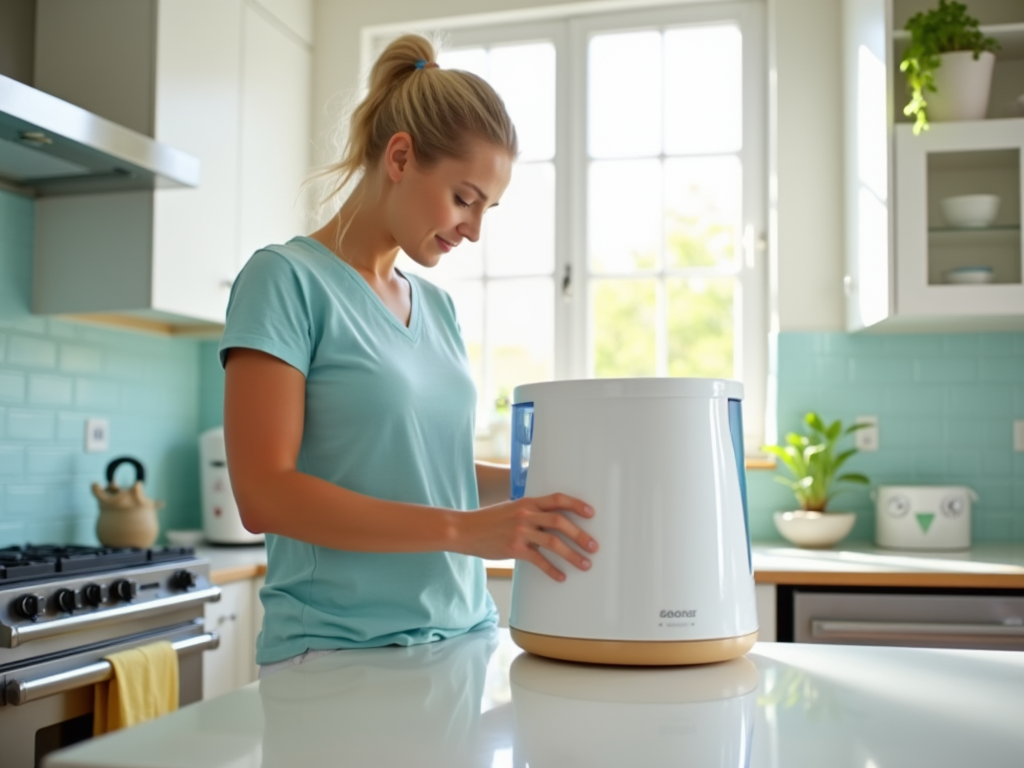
[677, 615]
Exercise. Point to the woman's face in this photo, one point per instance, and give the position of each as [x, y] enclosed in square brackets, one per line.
[431, 210]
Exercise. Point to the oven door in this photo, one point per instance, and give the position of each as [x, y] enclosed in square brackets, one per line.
[48, 704]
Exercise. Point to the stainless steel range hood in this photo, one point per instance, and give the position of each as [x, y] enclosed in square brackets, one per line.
[51, 147]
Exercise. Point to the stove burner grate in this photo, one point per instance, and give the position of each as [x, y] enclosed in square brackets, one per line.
[20, 563]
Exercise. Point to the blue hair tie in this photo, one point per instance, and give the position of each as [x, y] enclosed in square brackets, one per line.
[422, 63]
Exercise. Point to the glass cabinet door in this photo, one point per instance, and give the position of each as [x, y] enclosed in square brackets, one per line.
[958, 219]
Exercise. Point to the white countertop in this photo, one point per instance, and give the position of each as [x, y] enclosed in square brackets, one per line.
[477, 701]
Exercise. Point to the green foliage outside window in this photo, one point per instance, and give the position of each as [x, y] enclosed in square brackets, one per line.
[700, 311]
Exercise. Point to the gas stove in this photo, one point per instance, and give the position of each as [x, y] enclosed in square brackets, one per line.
[39, 562]
[54, 590]
[63, 609]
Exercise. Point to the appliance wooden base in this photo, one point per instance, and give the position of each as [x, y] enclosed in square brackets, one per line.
[634, 652]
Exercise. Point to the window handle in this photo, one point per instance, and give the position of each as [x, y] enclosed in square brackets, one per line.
[567, 283]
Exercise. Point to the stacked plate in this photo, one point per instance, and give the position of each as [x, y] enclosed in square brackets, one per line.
[969, 275]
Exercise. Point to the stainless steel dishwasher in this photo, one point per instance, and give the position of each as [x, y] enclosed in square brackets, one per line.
[915, 618]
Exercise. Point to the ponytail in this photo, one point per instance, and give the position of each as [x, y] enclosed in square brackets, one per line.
[441, 109]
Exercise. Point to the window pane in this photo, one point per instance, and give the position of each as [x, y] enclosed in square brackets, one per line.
[524, 77]
[624, 95]
[700, 327]
[623, 214]
[703, 90]
[521, 231]
[703, 196]
[470, 59]
[520, 335]
[468, 296]
[623, 316]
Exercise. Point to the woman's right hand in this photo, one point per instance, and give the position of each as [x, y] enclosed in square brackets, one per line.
[520, 529]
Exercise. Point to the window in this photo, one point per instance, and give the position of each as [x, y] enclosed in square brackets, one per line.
[629, 241]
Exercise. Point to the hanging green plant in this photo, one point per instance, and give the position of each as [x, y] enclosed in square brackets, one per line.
[941, 30]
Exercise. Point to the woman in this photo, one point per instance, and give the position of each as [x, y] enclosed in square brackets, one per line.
[349, 404]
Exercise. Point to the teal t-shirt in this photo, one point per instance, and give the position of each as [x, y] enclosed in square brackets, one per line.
[390, 414]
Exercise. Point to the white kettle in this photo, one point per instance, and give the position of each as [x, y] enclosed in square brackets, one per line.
[222, 524]
[661, 462]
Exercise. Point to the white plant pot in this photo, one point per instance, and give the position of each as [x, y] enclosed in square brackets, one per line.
[962, 86]
[814, 530]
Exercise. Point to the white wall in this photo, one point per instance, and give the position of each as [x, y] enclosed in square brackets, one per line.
[806, 63]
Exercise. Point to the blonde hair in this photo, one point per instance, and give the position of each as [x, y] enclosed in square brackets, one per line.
[441, 109]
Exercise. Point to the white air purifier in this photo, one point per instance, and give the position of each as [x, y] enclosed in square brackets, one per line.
[222, 523]
[661, 463]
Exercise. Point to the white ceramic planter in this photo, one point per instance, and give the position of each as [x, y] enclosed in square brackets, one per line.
[814, 530]
[962, 86]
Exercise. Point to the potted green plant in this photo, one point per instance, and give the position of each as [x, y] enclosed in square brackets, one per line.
[814, 461]
[950, 57]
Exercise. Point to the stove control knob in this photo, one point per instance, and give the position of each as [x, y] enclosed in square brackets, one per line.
[29, 606]
[183, 580]
[124, 589]
[92, 594]
[66, 600]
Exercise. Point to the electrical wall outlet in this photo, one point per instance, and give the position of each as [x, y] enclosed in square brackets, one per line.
[866, 439]
[97, 435]
[1018, 435]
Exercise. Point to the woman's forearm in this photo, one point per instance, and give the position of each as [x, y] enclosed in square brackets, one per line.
[306, 508]
[494, 482]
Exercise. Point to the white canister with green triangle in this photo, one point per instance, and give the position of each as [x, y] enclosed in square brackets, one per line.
[929, 517]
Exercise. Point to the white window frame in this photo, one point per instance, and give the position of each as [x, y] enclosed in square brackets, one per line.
[570, 28]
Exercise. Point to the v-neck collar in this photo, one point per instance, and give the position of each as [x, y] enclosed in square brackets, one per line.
[412, 331]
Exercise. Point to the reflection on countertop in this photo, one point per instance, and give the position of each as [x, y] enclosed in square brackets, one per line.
[477, 700]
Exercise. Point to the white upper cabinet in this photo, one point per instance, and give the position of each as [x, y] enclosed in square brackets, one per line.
[911, 264]
[228, 81]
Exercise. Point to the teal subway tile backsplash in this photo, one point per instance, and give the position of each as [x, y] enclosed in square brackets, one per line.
[31, 352]
[76, 358]
[12, 387]
[46, 389]
[946, 369]
[12, 461]
[23, 424]
[951, 424]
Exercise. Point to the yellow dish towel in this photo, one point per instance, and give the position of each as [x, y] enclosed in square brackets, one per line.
[144, 686]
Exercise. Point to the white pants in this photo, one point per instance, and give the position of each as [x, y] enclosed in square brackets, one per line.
[277, 666]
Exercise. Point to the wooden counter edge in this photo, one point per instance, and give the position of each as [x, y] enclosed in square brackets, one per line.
[855, 579]
[237, 573]
[891, 579]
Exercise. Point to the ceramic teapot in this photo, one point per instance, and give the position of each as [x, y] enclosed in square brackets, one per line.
[127, 515]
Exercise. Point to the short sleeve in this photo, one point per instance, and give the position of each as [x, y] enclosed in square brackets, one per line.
[269, 311]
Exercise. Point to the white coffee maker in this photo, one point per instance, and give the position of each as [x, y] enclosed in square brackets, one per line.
[222, 523]
[661, 462]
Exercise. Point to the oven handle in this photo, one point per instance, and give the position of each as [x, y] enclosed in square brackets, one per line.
[20, 635]
[23, 691]
[824, 629]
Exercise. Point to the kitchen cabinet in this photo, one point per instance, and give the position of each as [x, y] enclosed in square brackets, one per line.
[232, 664]
[228, 81]
[899, 247]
